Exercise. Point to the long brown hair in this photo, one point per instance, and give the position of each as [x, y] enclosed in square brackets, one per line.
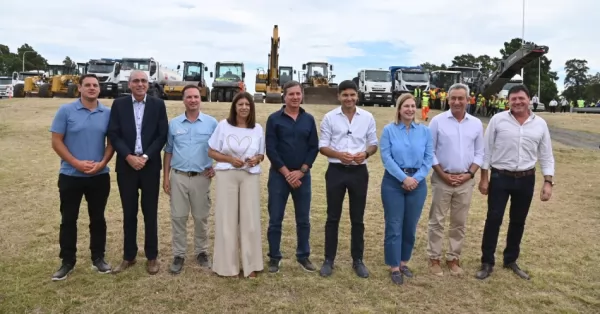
[232, 118]
[401, 100]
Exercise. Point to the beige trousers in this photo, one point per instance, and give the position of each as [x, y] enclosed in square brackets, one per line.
[189, 193]
[458, 201]
[237, 221]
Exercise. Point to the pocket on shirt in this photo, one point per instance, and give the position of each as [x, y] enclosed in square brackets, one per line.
[201, 138]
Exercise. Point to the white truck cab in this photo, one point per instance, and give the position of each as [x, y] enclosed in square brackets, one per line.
[158, 75]
[6, 86]
[374, 87]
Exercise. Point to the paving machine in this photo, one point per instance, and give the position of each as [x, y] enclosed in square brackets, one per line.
[229, 80]
[193, 73]
[316, 86]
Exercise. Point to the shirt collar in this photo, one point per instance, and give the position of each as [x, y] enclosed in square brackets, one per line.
[185, 118]
[403, 126]
[282, 111]
[143, 101]
[79, 105]
[449, 115]
[338, 110]
[532, 115]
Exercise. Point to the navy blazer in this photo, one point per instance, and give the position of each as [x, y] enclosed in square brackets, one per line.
[122, 133]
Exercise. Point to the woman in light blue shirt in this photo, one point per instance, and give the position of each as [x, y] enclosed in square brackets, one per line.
[407, 155]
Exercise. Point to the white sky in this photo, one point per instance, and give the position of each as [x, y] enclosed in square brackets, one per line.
[370, 33]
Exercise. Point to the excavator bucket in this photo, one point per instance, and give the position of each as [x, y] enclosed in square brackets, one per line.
[320, 95]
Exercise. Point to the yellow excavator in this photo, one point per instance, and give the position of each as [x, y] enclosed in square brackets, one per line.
[260, 85]
[62, 81]
[316, 86]
[273, 90]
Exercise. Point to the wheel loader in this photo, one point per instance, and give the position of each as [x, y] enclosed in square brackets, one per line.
[316, 86]
[193, 73]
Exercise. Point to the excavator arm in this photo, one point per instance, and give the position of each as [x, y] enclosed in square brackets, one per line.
[273, 88]
[508, 67]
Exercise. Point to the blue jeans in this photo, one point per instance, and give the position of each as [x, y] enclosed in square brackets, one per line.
[279, 191]
[402, 210]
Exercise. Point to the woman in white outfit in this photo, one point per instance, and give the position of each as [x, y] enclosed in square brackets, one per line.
[238, 146]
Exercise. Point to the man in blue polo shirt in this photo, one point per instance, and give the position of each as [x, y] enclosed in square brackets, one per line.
[187, 175]
[292, 145]
[79, 139]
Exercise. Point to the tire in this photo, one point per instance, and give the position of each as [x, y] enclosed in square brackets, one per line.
[44, 91]
[229, 96]
[19, 91]
[221, 95]
[205, 98]
[72, 91]
[213, 96]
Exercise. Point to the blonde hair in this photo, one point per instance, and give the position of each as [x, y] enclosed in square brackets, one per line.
[399, 102]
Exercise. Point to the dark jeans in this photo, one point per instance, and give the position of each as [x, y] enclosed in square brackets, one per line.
[520, 190]
[535, 105]
[553, 109]
[338, 180]
[279, 191]
[71, 190]
[130, 182]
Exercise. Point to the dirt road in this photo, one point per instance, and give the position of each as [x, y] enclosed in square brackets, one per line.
[571, 138]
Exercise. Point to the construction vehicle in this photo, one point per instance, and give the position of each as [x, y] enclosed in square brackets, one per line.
[374, 87]
[229, 80]
[158, 75]
[6, 84]
[62, 81]
[193, 73]
[515, 80]
[316, 85]
[405, 79]
[107, 70]
[27, 83]
[274, 91]
[507, 69]
[286, 74]
[260, 85]
[469, 75]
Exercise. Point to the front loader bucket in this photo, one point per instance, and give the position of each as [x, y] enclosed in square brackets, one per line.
[273, 98]
[324, 95]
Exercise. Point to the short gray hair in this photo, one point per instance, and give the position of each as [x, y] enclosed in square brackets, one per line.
[459, 86]
[136, 72]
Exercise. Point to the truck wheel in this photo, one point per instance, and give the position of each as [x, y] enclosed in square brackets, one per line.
[19, 91]
[72, 91]
[44, 91]
[207, 95]
[229, 96]
[221, 96]
[213, 96]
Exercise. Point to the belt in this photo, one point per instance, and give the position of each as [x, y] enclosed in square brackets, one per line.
[515, 174]
[187, 173]
[409, 170]
[341, 165]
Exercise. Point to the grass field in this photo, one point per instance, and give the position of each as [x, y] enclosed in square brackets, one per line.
[560, 247]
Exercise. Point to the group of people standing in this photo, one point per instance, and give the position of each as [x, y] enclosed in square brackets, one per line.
[198, 148]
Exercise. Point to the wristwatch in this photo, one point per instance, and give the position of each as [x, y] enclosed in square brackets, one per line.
[303, 170]
[367, 155]
[471, 173]
[550, 182]
[145, 156]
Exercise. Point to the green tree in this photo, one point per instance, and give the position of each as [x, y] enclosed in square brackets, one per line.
[530, 79]
[33, 60]
[592, 88]
[68, 62]
[484, 62]
[433, 67]
[576, 77]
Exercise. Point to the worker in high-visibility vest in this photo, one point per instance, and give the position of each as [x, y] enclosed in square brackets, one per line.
[417, 94]
[580, 103]
[443, 96]
[502, 104]
[425, 107]
[479, 103]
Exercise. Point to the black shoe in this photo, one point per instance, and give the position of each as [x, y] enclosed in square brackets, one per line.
[177, 265]
[515, 268]
[274, 265]
[406, 272]
[396, 277]
[101, 266]
[307, 265]
[485, 271]
[360, 269]
[63, 272]
[326, 269]
[204, 260]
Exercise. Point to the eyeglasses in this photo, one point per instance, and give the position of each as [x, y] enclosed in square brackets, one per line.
[136, 81]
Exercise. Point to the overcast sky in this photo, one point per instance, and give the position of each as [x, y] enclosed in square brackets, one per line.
[350, 34]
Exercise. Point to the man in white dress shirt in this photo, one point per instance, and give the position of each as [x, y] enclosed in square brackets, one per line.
[348, 138]
[514, 141]
[457, 155]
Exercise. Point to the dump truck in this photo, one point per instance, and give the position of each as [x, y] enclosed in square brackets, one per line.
[405, 79]
[228, 81]
[374, 87]
[317, 87]
[107, 70]
[193, 73]
[158, 75]
[6, 85]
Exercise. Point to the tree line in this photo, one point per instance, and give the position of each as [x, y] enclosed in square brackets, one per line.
[578, 83]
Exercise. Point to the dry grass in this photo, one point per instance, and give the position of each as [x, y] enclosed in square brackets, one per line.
[573, 121]
[560, 247]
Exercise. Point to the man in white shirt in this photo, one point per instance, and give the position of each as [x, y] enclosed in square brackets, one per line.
[348, 138]
[535, 100]
[514, 141]
[553, 104]
[457, 155]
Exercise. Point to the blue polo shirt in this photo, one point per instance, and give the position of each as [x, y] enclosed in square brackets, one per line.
[84, 133]
[188, 142]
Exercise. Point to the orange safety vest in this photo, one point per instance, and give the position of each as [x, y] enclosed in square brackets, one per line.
[472, 101]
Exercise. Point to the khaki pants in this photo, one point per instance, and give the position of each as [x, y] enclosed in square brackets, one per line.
[237, 216]
[458, 201]
[189, 193]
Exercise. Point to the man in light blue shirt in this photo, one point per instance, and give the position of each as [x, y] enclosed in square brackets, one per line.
[187, 175]
[79, 139]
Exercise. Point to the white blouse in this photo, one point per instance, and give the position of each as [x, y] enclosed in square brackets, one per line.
[238, 142]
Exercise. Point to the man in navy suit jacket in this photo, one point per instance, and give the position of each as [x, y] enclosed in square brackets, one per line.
[138, 131]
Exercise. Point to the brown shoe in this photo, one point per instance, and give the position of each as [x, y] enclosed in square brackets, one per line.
[152, 267]
[435, 268]
[123, 266]
[454, 267]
